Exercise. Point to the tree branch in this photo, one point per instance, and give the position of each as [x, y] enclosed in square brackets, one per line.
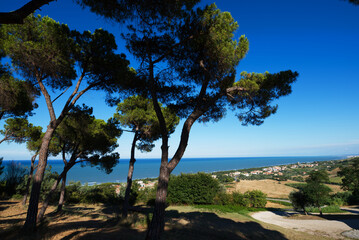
[18, 16]
[60, 94]
[171, 49]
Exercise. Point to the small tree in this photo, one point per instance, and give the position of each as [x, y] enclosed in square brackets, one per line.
[85, 140]
[299, 200]
[350, 179]
[317, 194]
[14, 175]
[138, 114]
[314, 193]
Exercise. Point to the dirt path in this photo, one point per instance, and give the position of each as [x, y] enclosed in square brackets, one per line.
[330, 228]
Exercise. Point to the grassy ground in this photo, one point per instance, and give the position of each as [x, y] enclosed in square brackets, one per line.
[104, 222]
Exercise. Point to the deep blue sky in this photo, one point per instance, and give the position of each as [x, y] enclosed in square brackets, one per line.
[317, 38]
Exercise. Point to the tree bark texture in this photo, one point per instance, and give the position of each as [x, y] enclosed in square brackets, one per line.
[30, 223]
[62, 194]
[131, 168]
[158, 221]
[29, 180]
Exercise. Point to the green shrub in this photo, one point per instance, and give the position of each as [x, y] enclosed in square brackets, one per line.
[327, 209]
[222, 199]
[199, 188]
[147, 196]
[102, 193]
[257, 198]
[240, 199]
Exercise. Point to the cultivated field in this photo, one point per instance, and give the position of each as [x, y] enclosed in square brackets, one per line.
[273, 189]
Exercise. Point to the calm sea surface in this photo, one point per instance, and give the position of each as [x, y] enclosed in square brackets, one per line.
[149, 168]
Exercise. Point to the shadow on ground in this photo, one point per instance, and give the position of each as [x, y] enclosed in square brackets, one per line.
[5, 205]
[108, 225]
[196, 225]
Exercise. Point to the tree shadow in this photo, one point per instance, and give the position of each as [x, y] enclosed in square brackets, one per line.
[206, 225]
[192, 225]
[6, 205]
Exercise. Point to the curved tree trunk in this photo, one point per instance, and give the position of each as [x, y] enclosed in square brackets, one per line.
[29, 180]
[62, 194]
[129, 177]
[30, 223]
[158, 221]
[45, 204]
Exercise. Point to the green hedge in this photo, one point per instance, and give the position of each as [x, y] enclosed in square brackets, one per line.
[199, 188]
[254, 199]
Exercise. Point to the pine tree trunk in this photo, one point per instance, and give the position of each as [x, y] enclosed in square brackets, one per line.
[29, 180]
[30, 223]
[158, 220]
[62, 194]
[45, 204]
[129, 177]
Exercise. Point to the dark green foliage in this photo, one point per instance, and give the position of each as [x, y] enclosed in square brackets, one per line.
[44, 42]
[14, 175]
[138, 114]
[313, 193]
[48, 181]
[240, 199]
[222, 198]
[16, 97]
[299, 200]
[102, 193]
[256, 198]
[199, 188]
[88, 139]
[350, 179]
[224, 178]
[19, 130]
[320, 176]
[298, 179]
[298, 186]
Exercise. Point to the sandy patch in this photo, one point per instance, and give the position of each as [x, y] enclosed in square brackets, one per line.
[330, 228]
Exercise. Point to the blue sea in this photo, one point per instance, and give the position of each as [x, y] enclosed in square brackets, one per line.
[149, 168]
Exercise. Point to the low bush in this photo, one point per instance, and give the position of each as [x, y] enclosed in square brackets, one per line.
[254, 199]
[199, 188]
[102, 193]
[327, 209]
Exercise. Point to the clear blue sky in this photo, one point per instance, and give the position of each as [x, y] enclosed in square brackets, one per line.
[319, 39]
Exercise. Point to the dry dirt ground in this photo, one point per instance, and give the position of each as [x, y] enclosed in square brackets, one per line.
[273, 189]
[104, 222]
[329, 225]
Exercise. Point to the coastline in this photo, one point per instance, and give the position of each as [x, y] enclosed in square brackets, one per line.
[149, 168]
